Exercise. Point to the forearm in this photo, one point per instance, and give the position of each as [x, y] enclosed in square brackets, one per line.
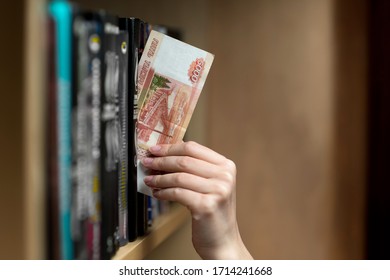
[230, 247]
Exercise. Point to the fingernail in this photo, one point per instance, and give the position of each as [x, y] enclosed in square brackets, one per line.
[148, 179]
[147, 160]
[155, 148]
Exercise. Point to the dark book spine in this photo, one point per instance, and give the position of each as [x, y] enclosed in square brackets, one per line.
[150, 215]
[52, 155]
[110, 135]
[142, 203]
[122, 50]
[132, 26]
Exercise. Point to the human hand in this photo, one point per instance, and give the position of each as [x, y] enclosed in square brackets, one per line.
[203, 181]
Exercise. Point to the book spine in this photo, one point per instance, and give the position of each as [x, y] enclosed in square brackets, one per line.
[132, 27]
[94, 231]
[61, 12]
[80, 174]
[110, 135]
[86, 135]
[52, 155]
[150, 211]
[122, 50]
[142, 204]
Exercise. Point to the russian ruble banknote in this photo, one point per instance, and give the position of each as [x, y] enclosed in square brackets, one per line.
[171, 76]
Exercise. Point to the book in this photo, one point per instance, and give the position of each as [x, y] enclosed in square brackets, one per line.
[123, 96]
[95, 44]
[61, 11]
[53, 249]
[142, 201]
[110, 137]
[80, 137]
[132, 27]
[87, 69]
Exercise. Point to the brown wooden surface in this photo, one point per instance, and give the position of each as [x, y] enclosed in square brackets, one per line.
[351, 127]
[34, 128]
[11, 135]
[287, 105]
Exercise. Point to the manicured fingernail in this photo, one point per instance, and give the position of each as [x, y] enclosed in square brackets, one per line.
[147, 160]
[155, 148]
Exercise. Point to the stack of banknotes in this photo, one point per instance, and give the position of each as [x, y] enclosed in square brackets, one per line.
[171, 76]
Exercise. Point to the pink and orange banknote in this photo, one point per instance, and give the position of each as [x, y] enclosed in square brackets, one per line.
[171, 76]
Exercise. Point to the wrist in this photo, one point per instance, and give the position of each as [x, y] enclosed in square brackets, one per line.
[233, 251]
[230, 248]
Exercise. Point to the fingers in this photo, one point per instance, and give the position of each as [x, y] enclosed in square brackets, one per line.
[191, 149]
[182, 164]
[200, 205]
[179, 180]
[197, 177]
[186, 197]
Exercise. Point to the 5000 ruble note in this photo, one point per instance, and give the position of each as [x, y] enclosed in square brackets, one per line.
[171, 76]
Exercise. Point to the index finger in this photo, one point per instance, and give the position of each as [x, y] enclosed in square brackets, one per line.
[190, 148]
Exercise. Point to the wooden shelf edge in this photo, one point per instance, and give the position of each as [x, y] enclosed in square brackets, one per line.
[163, 227]
[34, 130]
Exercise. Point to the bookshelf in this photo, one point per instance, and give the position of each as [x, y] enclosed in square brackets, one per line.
[163, 227]
[22, 190]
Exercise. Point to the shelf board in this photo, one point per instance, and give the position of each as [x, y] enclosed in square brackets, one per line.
[162, 228]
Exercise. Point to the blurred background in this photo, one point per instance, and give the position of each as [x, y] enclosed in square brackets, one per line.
[297, 97]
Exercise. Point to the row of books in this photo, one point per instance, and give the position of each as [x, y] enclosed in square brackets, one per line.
[93, 203]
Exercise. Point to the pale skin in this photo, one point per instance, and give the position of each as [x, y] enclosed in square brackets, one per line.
[205, 182]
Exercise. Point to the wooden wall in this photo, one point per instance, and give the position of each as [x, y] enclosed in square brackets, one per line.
[286, 103]
[351, 94]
